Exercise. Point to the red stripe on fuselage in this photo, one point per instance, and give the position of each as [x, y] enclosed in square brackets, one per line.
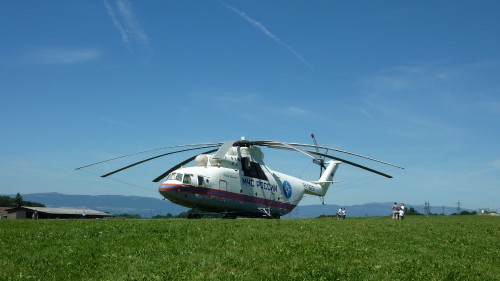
[225, 194]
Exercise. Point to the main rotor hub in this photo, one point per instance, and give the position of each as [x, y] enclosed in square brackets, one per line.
[242, 143]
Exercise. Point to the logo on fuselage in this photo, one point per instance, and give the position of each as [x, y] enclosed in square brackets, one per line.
[287, 189]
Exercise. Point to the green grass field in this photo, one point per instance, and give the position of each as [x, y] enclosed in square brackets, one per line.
[418, 248]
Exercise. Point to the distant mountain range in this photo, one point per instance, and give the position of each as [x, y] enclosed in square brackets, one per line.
[148, 207]
[364, 210]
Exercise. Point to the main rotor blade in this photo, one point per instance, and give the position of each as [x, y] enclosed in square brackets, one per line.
[279, 145]
[179, 165]
[149, 150]
[223, 149]
[351, 163]
[149, 159]
[299, 150]
[285, 146]
[273, 143]
[354, 154]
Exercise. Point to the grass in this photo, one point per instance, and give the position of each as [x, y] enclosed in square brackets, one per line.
[418, 248]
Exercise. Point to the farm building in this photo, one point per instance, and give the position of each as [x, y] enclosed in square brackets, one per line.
[53, 213]
[3, 212]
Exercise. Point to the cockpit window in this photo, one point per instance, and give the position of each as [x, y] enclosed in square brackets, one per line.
[175, 176]
[178, 177]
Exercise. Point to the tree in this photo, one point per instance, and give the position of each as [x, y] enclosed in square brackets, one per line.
[6, 201]
[196, 214]
[167, 216]
[19, 200]
[465, 213]
[32, 204]
[412, 211]
[129, 216]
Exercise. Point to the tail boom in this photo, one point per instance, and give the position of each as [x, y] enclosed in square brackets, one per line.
[320, 187]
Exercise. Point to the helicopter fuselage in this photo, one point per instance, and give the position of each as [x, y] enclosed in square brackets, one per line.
[227, 190]
[238, 184]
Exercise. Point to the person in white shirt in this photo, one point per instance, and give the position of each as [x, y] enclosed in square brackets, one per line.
[402, 211]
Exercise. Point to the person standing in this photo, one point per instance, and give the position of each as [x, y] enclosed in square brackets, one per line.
[395, 211]
[339, 214]
[402, 211]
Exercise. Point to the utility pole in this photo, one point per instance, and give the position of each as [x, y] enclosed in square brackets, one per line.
[427, 208]
[458, 207]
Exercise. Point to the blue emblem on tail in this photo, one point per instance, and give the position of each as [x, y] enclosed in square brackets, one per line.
[287, 189]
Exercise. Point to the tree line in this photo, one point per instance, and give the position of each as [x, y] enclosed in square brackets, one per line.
[17, 202]
[189, 214]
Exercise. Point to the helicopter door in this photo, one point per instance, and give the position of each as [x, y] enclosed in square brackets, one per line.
[222, 186]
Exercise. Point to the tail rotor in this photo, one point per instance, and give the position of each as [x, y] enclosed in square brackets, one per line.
[319, 160]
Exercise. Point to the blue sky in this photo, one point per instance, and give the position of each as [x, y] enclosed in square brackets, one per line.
[414, 83]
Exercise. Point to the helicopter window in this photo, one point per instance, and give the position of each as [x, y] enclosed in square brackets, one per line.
[179, 177]
[175, 176]
[252, 169]
[187, 179]
[200, 180]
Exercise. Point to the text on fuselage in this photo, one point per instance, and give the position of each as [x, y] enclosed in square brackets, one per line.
[308, 186]
[259, 184]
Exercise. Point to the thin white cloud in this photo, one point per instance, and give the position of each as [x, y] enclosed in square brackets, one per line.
[251, 100]
[236, 99]
[486, 168]
[124, 20]
[290, 111]
[366, 113]
[411, 99]
[114, 122]
[297, 111]
[269, 34]
[427, 100]
[496, 164]
[116, 22]
[229, 99]
[493, 107]
[64, 55]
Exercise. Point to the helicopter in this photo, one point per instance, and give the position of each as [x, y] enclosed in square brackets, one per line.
[231, 177]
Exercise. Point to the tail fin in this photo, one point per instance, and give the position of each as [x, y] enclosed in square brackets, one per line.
[326, 178]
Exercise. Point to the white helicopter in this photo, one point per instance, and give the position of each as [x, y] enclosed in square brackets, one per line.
[235, 181]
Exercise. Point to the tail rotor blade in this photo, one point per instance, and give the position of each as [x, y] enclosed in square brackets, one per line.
[320, 160]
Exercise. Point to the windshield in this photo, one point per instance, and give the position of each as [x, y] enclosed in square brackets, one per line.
[175, 176]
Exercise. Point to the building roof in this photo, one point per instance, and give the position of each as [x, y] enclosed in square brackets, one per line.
[3, 211]
[65, 211]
